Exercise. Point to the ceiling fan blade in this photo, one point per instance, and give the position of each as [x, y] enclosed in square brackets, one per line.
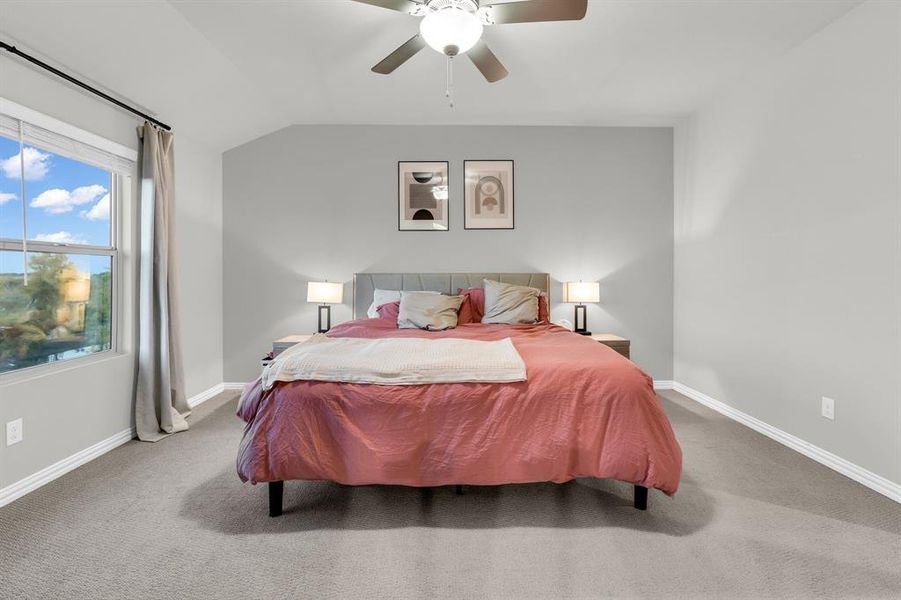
[400, 56]
[533, 11]
[405, 6]
[486, 62]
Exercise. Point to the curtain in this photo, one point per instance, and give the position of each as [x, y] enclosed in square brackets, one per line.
[160, 404]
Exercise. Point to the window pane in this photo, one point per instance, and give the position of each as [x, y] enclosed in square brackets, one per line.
[10, 202]
[68, 201]
[64, 312]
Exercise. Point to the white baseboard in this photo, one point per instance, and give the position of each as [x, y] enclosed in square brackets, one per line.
[875, 482]
[198, 399]
[205, 395]
[871, 480]
[58, 469]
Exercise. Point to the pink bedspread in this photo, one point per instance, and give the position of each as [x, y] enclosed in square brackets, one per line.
[585, 411]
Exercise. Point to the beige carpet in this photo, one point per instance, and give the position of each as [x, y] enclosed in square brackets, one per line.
[171, 520]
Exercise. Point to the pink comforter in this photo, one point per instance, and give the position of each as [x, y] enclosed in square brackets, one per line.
[585, 411]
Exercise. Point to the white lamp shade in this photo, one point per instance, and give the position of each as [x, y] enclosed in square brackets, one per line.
[451, 28]
[583, 291]
[325, 292]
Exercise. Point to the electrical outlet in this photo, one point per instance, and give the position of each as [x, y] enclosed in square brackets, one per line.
[14, 432]
[828, 408]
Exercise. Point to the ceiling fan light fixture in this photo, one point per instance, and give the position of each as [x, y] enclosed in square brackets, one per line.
[451, 30]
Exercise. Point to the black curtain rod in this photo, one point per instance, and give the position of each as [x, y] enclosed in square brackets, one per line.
[81, 84]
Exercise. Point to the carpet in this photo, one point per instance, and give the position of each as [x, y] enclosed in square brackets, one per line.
[752, 519]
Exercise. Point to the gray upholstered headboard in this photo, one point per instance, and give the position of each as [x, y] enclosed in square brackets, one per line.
[446, 283]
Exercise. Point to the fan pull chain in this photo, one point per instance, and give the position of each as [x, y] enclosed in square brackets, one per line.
[449, 81]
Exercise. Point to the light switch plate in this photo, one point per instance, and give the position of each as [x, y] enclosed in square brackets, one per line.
[14, 432]
[828, 408]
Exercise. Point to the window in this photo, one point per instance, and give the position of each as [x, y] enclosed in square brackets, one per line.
[58, 245]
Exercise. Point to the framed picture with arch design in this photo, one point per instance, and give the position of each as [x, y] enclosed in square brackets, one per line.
[488, 194]
[422, 196]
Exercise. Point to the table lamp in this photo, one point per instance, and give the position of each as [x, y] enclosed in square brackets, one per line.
[326, 294]
[581, 292]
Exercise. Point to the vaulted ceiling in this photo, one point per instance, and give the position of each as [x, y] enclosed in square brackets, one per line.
[228, 71]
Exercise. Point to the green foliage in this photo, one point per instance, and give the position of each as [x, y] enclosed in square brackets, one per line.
[31, 331]
[18, 343]
[47, 273]
[97, 318]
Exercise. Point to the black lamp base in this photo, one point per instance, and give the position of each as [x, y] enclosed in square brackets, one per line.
[327, 309]
[581, 326]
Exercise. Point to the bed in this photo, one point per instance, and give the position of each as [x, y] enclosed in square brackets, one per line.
[584, 411]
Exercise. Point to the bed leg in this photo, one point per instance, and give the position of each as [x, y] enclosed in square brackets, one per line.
[458, 489]
[276, 491]
[641, 497]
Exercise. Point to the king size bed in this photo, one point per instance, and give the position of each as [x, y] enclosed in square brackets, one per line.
[580, 410]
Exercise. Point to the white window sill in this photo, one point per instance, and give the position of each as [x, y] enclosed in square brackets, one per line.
[54, 368]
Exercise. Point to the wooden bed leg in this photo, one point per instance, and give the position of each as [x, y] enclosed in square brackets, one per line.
[641, 497]
[276, 492]
[458, 489]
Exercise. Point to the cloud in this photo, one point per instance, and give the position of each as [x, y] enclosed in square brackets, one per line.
[98, 212]
[60, 237]
[6, 197]
[57, 201]
[37, 164]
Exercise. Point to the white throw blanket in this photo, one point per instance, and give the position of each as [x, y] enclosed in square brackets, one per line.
[397, 361]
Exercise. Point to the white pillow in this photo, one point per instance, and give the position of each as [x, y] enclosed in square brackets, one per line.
[510, 304]
[380, 297]
[428, 310]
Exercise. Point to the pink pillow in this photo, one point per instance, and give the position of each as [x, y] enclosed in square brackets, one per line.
[464, 315]
[543, 316]
[473, 306]
[389, 311]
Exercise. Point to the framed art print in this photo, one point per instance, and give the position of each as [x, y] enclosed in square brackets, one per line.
[488, 194]
[422, 196]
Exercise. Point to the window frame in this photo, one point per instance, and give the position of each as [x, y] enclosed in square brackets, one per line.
[121, 185]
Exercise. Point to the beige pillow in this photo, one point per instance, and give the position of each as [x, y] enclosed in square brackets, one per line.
[427, 310]
[510, 304]
[380, 297]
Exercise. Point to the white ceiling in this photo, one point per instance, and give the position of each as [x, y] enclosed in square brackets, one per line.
[225, 72]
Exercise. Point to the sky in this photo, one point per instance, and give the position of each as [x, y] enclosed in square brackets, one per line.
[65, 201]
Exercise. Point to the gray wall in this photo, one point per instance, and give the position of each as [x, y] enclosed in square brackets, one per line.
[72, 408]
[320, 202]
[198, 228]
[788, 258]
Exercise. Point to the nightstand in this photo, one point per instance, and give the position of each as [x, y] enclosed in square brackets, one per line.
[619, 344]
[279, 346]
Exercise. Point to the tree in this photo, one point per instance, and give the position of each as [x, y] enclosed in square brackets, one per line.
[48, 274]
[97, 318]
[29, 312]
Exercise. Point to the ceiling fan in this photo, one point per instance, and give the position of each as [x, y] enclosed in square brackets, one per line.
[454, 27]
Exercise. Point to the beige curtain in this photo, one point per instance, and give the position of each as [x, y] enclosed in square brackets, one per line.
[160, 404]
